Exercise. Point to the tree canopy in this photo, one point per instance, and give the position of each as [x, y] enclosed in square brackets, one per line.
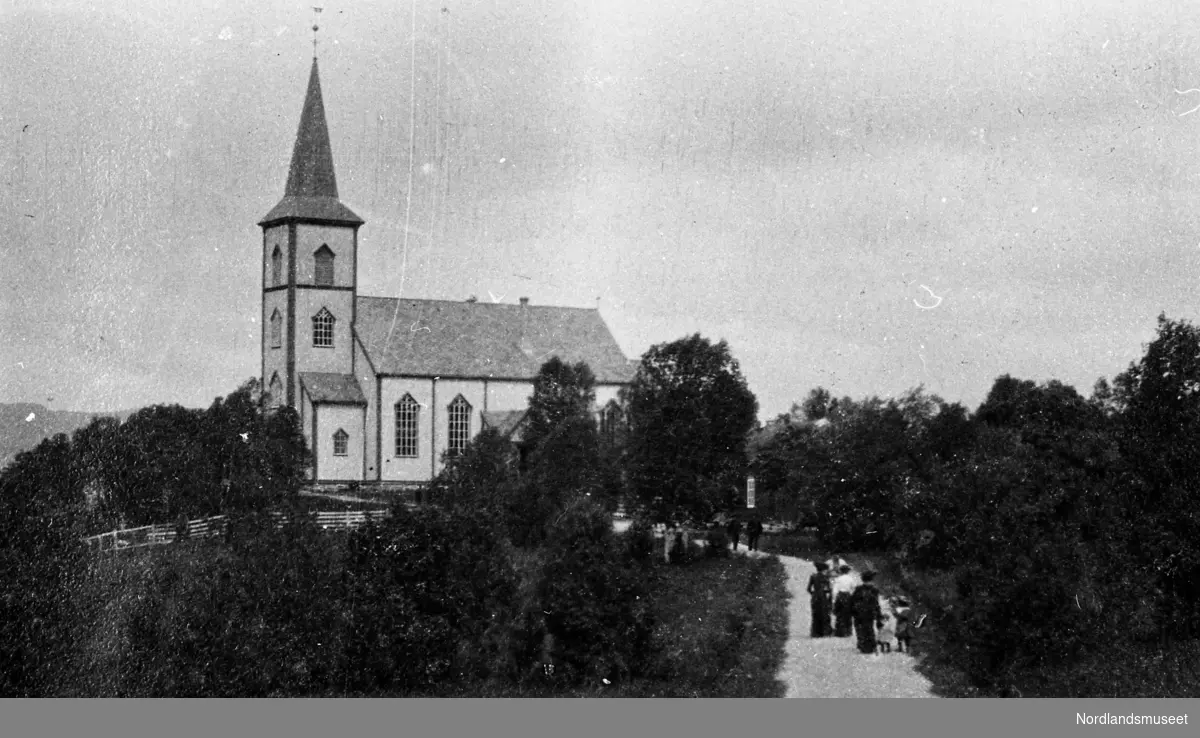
[689, 411]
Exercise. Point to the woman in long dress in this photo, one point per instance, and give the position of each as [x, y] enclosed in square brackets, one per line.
[822, 600]
[867, 614]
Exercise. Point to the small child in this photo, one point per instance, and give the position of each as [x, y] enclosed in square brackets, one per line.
[887, 629]
[903, 627]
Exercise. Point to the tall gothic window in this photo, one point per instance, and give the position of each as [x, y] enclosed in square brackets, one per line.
[276, 329]
[610, 420]
[323, 259]
[276, 390]
[341, 442]
[407, 411]
[276, 267]
[460, 425]
[323, 328]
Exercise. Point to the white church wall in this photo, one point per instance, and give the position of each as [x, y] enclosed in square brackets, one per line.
[366, 381]
[328, 419]
[311, 358]
[405, 469]
[274, 358]
[340, 240]
[272, 237]
[606, 393]
[508, 395]
[447, 390]
[304, 408]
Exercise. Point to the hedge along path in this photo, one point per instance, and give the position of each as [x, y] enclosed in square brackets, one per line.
[830, 666]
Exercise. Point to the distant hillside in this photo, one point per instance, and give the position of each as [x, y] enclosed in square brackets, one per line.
[24, 425]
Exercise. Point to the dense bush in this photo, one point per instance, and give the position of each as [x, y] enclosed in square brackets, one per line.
[639, 540]
[41, 557]
[431, 596]
[716, 544]
[596, 607]
[259, 619]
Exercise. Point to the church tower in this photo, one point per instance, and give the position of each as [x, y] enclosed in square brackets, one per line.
[309, 260]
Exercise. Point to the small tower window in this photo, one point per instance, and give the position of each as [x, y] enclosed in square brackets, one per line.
[323, 259]
[275, 397]
[460, 425]
[323, 328]
[276, 267]
[407, 411]
[276, 329]
[341, 441]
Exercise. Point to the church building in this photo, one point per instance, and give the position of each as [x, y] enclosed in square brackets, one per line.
[386, 386]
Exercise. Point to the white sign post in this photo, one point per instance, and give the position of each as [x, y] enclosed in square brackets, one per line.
[749, 492]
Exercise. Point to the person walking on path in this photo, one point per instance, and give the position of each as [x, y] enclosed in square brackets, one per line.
[821, 592]
[844, 585]
[735, 531]
[753, 531]
[867, 614]
[903, 626]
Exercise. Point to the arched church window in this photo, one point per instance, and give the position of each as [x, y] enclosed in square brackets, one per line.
[323, 259]
[275, 390]
[276, 267]
[276, 329]
[610, 421]
[341, 443]
[323, 328]
[460, 425]
[407, 412]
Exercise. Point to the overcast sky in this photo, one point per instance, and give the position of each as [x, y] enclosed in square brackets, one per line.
[865, 195]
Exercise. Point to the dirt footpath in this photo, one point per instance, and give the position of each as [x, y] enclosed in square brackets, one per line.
[833, 667]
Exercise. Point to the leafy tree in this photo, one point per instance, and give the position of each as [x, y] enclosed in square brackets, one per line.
[560, 391]
[41, 556]
[689, 412]
[817, 405]
[1160, 440]
[481, 478]
[567, 462]
[565, 468]
[595, 605]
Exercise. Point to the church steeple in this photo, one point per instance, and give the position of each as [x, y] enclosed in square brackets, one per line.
[311, 173]
[311, 192]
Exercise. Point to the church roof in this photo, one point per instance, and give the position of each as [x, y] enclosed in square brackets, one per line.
[442, 338]
[311, 190]
[332, 389]
[504, 421]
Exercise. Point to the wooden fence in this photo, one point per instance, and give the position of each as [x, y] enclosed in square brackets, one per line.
[157, 535]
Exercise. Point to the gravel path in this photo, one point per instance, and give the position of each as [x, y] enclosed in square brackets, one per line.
[833, 667]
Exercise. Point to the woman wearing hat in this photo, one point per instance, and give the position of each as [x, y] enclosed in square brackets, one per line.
[822, 600]
[867, 614]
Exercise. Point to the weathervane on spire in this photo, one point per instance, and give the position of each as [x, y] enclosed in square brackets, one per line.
[316, 12]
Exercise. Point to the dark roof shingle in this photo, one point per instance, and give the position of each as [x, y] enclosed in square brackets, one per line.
[440, 338]
[504, 421]
[332, 389]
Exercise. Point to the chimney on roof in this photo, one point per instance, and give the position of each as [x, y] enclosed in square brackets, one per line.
[524, 343]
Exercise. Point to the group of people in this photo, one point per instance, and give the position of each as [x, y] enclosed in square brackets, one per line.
[844, 601]
[754, 529]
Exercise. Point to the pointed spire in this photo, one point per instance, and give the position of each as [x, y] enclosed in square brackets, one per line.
[311, 173]
[311, 191]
